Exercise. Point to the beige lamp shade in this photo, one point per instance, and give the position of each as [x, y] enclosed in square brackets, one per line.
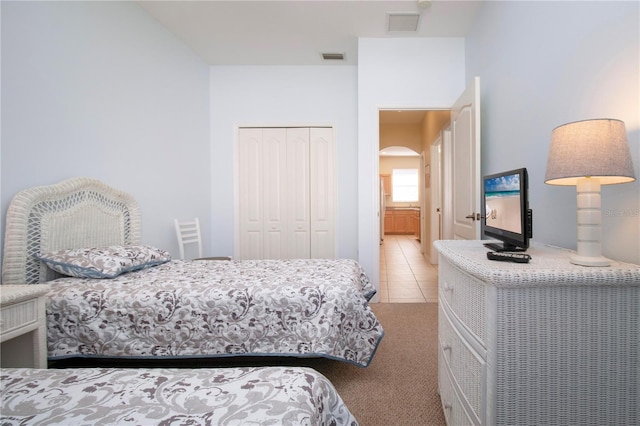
[589, 148]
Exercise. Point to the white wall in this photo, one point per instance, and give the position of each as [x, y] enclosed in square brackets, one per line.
[283, 96]
[543, 64]
[100, 89]
[396, 73]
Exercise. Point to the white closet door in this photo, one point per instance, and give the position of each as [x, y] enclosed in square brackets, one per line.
[286, 184]
[262, 185]
[274, 189]
[298, 227]
[250, 196]
[322, 193]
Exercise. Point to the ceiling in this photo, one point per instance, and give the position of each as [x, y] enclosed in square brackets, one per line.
[297, 32]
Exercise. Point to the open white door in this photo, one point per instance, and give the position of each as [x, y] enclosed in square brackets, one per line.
[436, 198]
[465, 171]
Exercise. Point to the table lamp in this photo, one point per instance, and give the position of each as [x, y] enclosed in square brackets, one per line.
[589, 154]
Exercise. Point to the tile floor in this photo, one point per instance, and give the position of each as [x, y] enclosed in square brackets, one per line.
[405, 275]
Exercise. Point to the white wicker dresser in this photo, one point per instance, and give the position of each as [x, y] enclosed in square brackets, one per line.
[542, 343]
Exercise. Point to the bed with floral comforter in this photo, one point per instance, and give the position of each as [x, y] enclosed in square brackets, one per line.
[301, 307]
[111, 296]
[210, 396]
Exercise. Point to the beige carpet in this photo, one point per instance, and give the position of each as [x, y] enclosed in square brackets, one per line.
[398, 388]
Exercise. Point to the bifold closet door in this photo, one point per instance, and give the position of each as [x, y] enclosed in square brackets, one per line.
[298, 188]
[286, 193]
[322, 193]
[262, 185]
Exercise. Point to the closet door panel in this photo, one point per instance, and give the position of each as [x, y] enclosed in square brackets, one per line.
[274, 163]
[250, 197]
[322, 193]
[298, 226]
[286, 185]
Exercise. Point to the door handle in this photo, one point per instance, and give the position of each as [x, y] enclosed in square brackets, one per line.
[473, 216]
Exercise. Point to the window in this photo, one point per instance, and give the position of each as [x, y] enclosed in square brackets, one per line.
[405, 185]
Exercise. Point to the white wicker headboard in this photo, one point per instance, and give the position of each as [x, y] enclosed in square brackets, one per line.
[75, 213]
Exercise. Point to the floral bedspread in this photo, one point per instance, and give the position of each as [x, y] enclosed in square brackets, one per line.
[217, 396]
[301, 307]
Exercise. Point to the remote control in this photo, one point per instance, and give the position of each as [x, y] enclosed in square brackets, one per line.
[509, 257]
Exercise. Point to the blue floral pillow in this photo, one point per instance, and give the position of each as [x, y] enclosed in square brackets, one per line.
[104, 262]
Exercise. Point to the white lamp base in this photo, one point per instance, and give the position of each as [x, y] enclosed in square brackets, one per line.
[589, 224]
[576, 259]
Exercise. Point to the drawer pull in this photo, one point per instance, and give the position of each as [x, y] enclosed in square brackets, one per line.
[446, 346]
[448, 287]
[448, 406]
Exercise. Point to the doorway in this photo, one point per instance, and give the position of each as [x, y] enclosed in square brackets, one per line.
[408, 135]
[405, 138]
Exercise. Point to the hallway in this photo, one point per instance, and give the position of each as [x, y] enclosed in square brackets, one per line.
[405, 275]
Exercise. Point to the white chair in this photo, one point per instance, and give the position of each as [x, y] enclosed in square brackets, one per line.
[188, 232]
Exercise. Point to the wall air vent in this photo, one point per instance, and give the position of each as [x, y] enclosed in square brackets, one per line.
[333, 56]
[403, 22]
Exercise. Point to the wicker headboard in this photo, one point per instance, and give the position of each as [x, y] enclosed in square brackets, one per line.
[75, 213]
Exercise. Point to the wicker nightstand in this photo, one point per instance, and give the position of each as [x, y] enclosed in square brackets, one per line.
[23, 327]
[539, 343]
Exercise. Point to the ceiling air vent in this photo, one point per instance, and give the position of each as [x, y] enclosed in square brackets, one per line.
[333, 56]
[403, 22]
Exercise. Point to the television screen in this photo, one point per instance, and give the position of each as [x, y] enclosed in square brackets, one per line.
[506, 207]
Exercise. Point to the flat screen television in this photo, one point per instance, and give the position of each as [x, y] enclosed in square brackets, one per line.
[506, 216]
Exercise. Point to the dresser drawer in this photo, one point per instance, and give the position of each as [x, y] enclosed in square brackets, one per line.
[454, 412]
[467, 367]
[466, 296]
[18, 316]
